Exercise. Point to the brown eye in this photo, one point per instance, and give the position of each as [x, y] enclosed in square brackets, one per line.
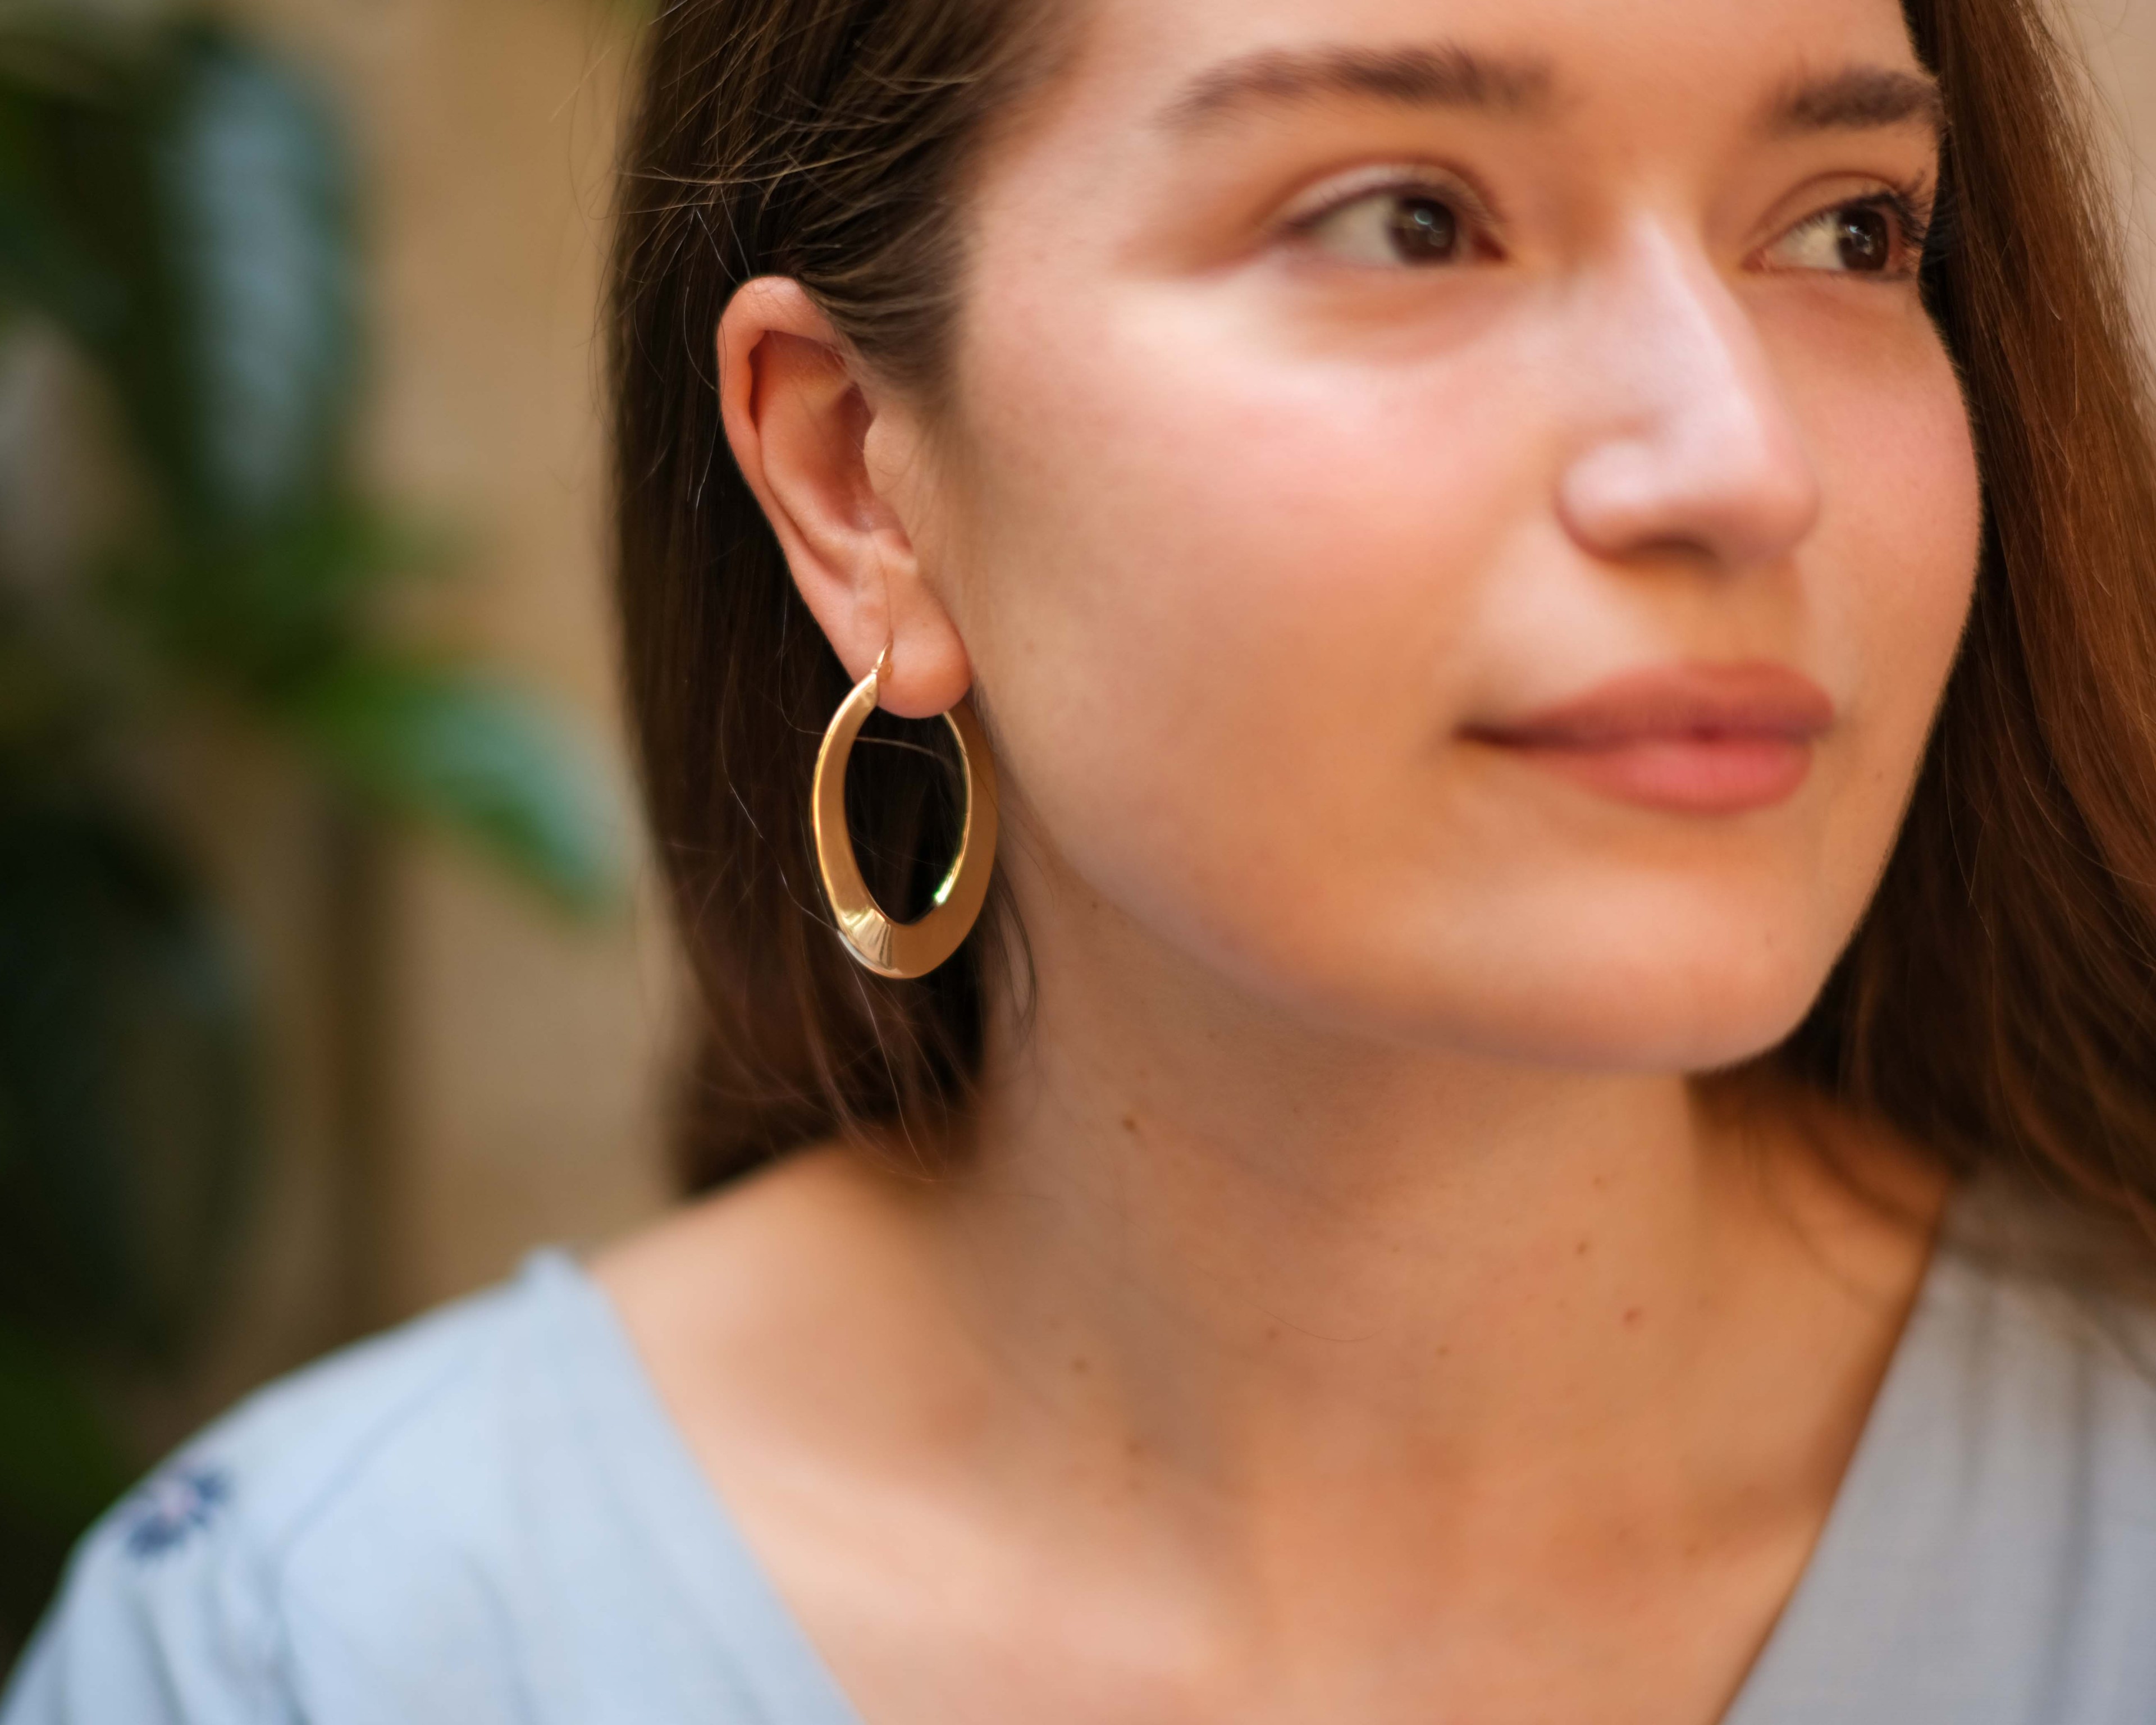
[1864, 238]
[1423, 230]
[1850, 239]
[1387, 229]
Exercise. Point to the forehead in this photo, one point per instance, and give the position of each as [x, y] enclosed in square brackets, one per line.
[1587, 61]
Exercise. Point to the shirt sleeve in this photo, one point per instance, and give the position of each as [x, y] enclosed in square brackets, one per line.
[164, 1620]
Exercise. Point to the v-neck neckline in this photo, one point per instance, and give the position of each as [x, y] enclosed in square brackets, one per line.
[788, 1682]
[653, 1471]
[1887, 1467]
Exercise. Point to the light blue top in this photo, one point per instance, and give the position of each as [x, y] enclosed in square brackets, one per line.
[488, 1517]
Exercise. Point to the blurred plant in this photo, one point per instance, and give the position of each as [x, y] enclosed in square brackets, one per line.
[178, 214]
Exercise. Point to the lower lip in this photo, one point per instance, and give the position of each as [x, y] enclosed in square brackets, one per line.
[1686, 775]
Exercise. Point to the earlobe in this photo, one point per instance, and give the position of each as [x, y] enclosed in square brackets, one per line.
[799, 419]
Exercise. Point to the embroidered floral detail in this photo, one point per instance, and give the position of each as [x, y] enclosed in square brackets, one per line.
[170, 1507]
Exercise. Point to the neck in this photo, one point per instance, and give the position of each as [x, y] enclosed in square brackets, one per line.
[1257, 1332]
[1270, 1257]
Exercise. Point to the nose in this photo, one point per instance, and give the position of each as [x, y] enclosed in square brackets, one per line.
[1690, 448]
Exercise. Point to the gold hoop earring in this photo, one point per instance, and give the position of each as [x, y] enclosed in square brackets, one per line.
[903, 950]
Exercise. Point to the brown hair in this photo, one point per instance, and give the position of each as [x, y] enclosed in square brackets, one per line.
[1998, 1001]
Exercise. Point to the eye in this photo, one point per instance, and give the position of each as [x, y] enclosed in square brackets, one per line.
[1868, 237]
[1393, 225]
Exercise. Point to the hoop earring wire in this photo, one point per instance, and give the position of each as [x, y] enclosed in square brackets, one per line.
[903, 950]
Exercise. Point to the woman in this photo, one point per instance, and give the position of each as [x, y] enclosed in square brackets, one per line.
[1547, 1114]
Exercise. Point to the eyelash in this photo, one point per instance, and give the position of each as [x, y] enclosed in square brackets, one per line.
[1910, 203]
[1469, 204]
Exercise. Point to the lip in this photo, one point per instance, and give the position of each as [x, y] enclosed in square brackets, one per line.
[1692, 739]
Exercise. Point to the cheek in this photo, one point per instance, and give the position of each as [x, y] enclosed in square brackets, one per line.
[1222, 604]
[1894, 573]
[1226, 606]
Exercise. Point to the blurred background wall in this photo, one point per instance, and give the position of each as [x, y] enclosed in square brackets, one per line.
[522, 1071]
[518, 1085]
[309, 755]
[458, 1069]
[2118, 38]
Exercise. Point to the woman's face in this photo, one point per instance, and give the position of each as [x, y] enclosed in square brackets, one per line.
[1458, 513]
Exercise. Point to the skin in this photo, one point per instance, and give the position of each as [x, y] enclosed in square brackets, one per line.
[1352, 1301]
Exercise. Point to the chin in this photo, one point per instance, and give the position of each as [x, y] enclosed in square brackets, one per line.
[1679, 1037]
[1683, 995]
[1683, 1012]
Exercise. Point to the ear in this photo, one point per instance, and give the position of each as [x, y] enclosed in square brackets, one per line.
[800, 421]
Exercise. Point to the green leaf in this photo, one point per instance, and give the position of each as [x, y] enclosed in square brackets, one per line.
[127, 1081]
[59, 1464]
[255, 192]
[69, 49]
[189, 214]
[41, 268]
[60, 1469]
[255, 620]
[465, 751]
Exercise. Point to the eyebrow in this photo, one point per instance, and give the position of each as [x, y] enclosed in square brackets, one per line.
[1442, 77]
[1855, 99]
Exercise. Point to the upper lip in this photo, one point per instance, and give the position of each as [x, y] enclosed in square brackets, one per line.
[1695, 702]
